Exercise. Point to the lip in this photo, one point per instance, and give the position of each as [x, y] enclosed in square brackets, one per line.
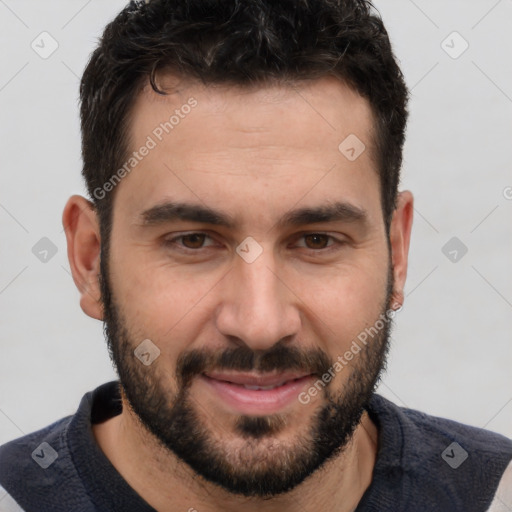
[254, 379]
[229, 388]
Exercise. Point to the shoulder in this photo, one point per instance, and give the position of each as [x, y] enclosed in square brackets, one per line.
[37, 470]
[440, 460]
[502, 500]
[32, 451]
[460, 442]
[432, 432]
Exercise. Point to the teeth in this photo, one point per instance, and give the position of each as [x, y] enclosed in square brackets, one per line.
[262, 388]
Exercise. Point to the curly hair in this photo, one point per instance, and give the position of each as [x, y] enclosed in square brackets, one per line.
[244, 43]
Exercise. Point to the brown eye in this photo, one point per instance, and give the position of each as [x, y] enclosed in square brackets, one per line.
[193, 241]
[316, 241]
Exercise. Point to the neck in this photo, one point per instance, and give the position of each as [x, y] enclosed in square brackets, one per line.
[168, 484]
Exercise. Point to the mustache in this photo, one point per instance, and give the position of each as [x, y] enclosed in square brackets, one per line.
[278, 358]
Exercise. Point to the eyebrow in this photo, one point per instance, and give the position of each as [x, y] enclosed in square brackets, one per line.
[171, 211]
[179, 211]
[331, 212]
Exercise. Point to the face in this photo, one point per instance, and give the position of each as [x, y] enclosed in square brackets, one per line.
[251, 252]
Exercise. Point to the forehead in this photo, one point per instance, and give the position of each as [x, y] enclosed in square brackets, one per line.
[229, 146]
[323, 108]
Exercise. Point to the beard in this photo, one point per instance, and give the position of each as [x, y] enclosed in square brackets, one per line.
[258, 464]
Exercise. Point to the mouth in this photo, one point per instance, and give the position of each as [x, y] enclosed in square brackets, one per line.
[256, 394]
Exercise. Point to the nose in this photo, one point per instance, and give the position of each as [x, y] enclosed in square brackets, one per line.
[257, 306]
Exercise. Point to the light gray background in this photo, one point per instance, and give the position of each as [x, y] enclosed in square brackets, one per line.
[452, 349]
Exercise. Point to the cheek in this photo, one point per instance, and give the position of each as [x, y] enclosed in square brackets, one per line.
[344, 304]
[167, 306]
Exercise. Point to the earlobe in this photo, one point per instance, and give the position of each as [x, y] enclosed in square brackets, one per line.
[400, 237]
[82, 229]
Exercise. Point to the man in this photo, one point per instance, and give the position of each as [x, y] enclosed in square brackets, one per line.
[246, 246]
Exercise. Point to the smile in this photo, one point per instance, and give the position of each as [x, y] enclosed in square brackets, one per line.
[249, 393]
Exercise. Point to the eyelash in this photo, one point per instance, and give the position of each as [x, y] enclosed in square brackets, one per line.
[333, 242]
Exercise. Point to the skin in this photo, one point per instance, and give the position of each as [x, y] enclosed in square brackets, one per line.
[254, 155]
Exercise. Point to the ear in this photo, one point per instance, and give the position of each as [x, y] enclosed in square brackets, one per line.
[400, 237]
[81, 225]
